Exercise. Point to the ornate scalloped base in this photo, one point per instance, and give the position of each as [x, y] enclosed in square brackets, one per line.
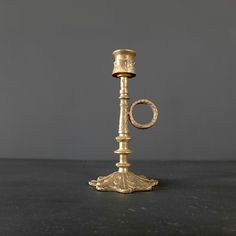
[123, 182]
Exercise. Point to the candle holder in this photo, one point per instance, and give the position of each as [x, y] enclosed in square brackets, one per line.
[123, 180]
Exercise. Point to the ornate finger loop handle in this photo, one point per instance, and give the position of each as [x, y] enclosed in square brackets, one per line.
[154, 117]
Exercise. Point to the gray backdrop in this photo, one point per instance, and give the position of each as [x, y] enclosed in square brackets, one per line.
[59, 100]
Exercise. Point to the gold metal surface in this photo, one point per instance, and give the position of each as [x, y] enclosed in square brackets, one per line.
[124, 63]
[123, 180]
[154, 111]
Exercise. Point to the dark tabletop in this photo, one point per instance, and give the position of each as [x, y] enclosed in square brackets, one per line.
[52, 197]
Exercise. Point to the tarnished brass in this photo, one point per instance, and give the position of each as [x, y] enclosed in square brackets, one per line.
[123, 180]
[124, 63]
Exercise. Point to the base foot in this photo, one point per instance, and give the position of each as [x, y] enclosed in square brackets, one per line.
[123, 182]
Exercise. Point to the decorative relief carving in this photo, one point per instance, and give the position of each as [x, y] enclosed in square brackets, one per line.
[123, 182]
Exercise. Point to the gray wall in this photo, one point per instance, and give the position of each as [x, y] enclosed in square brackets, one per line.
[59, 100]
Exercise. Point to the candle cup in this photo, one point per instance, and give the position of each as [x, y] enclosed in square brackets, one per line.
[124, 64]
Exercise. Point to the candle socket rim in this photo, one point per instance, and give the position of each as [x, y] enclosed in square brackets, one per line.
[124, 51]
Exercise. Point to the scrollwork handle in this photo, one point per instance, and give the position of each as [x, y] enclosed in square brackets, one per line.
[154, 117]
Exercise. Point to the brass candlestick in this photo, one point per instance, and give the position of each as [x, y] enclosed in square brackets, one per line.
[123, 180]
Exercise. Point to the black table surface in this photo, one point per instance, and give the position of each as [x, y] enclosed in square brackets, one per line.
[52, 197]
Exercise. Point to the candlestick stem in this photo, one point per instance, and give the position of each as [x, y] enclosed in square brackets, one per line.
[123, 137]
